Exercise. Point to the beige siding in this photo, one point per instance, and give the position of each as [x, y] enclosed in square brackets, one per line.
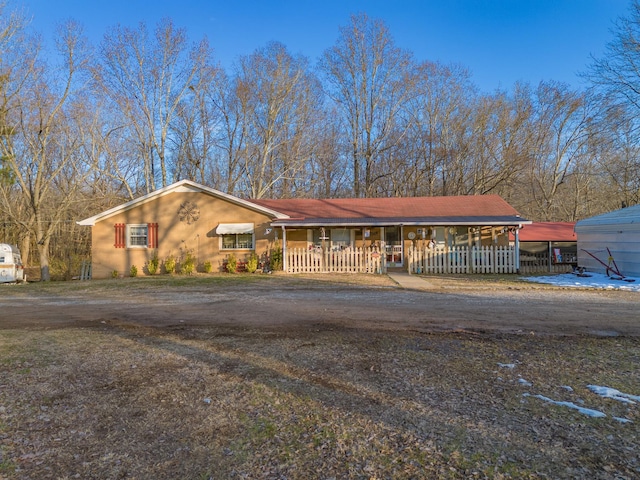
[175, 237]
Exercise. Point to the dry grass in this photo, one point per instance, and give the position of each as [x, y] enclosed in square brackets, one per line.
[199, 403]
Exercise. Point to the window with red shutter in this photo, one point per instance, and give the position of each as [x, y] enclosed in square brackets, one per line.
[119, 235]
[152, 233]
[132, 236]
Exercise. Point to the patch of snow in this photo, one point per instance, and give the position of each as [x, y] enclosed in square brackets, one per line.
[595, 280]
[567, 388]
[507, 365]
[585, 411]
[614, 394]
[622, 420]
[522, 381]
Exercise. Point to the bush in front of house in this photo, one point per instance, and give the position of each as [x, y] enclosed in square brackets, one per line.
[189, 264]
[252, 263]
[153, 264]
[133, 271]
[232, 263]
[276, 259]
[207, 266]
[170, 264]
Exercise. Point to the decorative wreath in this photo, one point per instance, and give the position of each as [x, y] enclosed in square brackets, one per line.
[189, 212]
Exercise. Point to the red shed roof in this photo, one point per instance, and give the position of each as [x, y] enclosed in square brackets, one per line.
[548, 232]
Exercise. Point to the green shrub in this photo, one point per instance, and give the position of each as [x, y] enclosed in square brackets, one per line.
[170, 264]
[189, 264]
[114, 274]
[133, 271]
[276, 259]
[232, 263]
[252, 263]
[153, 264]
[207, 266]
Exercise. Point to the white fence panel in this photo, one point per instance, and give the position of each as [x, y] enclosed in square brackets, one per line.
[487, 259]
[349, 260]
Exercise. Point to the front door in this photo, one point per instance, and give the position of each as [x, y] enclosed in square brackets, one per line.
[393, 246]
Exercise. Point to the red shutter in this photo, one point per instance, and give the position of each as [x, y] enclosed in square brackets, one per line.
[120, 237]
[152, 235]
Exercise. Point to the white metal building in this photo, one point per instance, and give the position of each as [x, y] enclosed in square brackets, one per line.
[618, 231]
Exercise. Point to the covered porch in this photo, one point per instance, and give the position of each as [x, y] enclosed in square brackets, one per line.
[376, 234]
[416, 248]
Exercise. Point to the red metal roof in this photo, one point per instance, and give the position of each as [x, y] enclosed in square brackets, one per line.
[548, 232]
[403, 207]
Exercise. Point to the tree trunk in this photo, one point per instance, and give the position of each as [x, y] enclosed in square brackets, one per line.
[25, 249]
[43, 250]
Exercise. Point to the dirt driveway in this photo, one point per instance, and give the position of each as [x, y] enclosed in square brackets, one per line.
[350, 377]
[290, 302]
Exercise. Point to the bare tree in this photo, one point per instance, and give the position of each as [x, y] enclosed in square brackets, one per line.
[147, 79]
[616, 78]
[438, 116]
[561, 136]
[367, 77]
[617, 73]
[617, 155]
[501, 142]
[12, 62]
[229, 101]
[43, 113]
[277, 95]
[328, 175]
[194, 130]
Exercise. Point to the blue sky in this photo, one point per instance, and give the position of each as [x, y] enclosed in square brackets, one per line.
[499, 41]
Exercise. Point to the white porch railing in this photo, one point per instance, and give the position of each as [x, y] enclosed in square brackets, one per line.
[349, 260]
[438, 260]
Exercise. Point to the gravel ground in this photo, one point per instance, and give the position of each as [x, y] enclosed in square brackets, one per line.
[482, 304]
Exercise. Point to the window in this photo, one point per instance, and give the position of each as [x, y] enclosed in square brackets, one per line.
[316, 237]
[235, 236]
[137, 235]
[340, 238]
[232, 241]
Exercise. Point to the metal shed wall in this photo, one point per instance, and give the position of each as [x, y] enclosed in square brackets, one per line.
[620, 232]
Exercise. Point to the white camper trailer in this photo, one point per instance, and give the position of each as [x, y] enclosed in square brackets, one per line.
[11, 268]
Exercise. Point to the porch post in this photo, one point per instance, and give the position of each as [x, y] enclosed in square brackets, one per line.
[517, 246]
[323, 243]
[383, 251]
[284, 248]
[402, 249]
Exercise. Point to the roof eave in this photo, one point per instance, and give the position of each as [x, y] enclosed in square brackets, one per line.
[187, 184]
[436, 222]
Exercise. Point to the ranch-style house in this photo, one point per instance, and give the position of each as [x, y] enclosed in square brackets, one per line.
[420, 234]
